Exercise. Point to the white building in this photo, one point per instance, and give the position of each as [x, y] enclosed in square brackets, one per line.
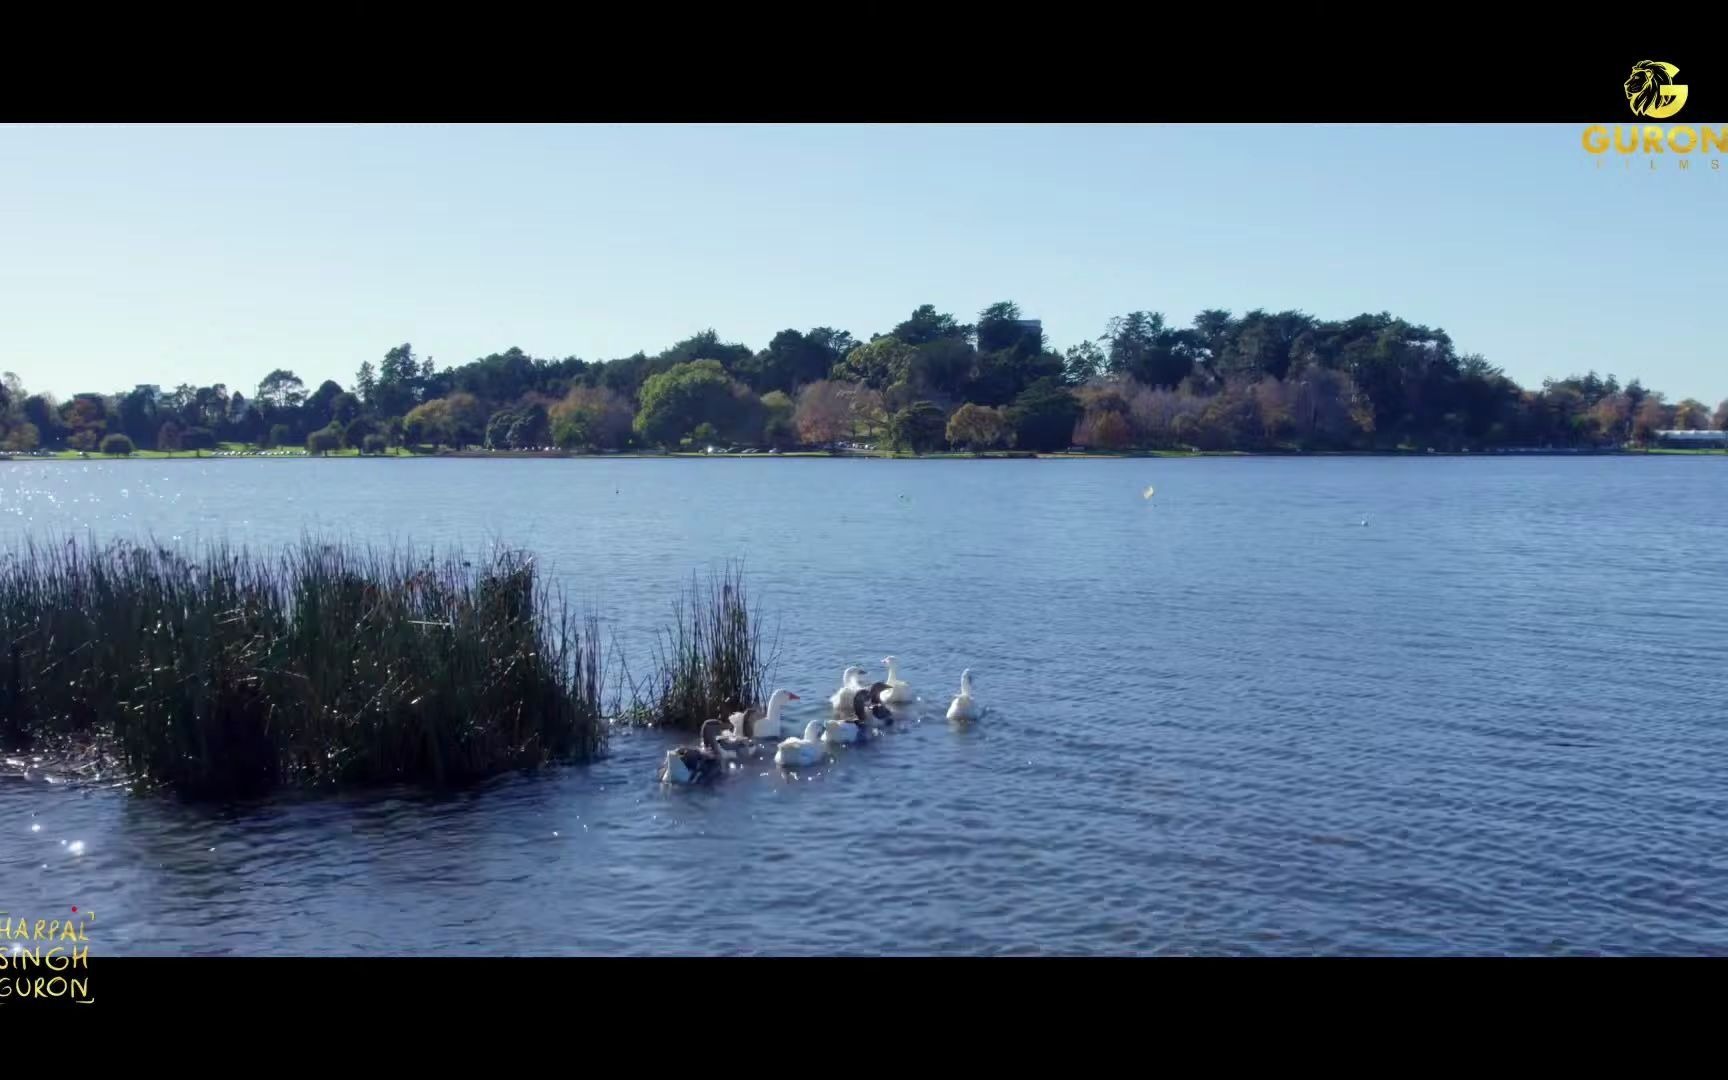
[1710, 439]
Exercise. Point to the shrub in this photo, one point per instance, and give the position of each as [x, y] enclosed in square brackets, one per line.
[227, 675]
[324, 441]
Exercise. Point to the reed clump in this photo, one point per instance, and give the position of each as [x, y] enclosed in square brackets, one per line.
[711, 660]
[224, 675]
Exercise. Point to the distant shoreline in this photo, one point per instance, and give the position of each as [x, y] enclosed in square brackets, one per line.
[518, 455]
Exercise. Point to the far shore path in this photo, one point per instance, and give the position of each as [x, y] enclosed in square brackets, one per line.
[991, 455]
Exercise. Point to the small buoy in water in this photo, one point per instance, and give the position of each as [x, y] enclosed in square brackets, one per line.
[1364, 523]
[1147, 494]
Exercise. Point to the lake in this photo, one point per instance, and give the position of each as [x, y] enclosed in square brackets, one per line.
[1229, 719]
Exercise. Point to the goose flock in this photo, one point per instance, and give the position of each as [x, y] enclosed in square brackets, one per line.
[859, 710]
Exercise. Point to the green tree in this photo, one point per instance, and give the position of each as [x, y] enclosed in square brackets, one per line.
[1043, 416]
[1721, 417]
[676, 401]
[137, 415]
[778, 429]
[1000, 376]
[281, 390]
[393, 392]
[117, 445]
[358, 431]
[793, 360]
[532, 427]
[280, 435]
[1082, 363]
[429, 422]
[1141, 346]
[1652, 416]
[498, 429]
[40, 411]
[626, 375]
[1257, 345]
[324, 441]
[345, 409]
[1001, 329]
[927, 324]
[11, 406]
[920, 428]
[248, 427]
[23, 437]
[592, 417]
[941, 367]
[979, 427]
[455, 421]
[86, 420]
[320, 407]
[703, 346]
[1612, 418]
[168, 436]
[523, 427]
[1215, 334]
[365, 382]
[467, 418]
[210, 406]
[375, 444]
[1691, 415]
[878, 365]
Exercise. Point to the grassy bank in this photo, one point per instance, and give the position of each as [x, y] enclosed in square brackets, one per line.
[229, 675]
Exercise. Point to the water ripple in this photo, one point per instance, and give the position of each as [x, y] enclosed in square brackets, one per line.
[1227, 724]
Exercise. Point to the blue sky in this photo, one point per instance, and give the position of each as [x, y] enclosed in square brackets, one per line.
[215, 254]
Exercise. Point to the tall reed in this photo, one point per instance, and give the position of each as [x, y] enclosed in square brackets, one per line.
[712, 659]
[227, 675]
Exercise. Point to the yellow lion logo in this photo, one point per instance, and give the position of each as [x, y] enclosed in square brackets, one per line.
[1651, 90]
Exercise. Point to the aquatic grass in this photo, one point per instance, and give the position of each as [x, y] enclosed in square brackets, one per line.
[224, 675]
[712, 659]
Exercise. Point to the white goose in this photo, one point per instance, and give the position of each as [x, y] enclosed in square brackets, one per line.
[898, 693]
[770, 726]
[841, 731]
[963, 707]
[796, 753]
[851, 681]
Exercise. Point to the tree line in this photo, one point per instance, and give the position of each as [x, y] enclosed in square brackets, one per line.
[1258, 381]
